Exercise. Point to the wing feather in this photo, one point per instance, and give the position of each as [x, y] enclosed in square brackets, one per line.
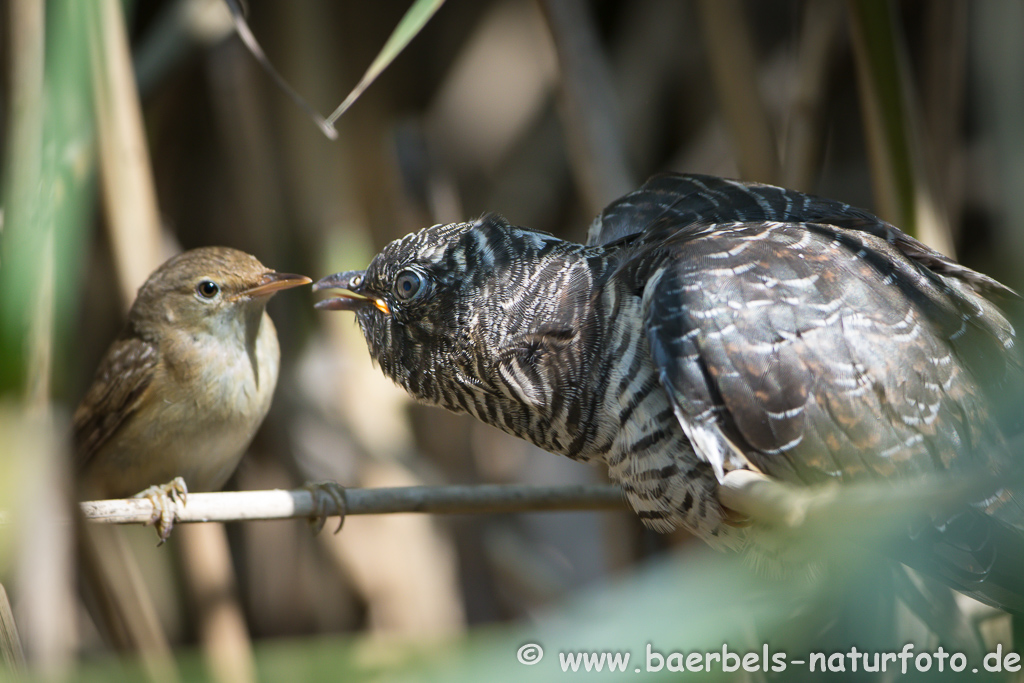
[119, 388]
[797, 350]
[813, 341]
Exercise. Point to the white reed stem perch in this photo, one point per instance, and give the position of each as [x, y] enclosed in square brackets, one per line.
[760, 498]
[300, 504]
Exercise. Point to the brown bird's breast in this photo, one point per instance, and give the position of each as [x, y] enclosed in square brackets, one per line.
[212, 400]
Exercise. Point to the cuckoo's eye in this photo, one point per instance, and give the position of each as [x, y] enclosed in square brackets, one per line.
[208, 289]
[409, 284]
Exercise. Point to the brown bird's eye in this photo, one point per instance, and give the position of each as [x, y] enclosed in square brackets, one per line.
[208, 289]
[408, 284]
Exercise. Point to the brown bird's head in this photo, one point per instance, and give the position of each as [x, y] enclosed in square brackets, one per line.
[209, 289]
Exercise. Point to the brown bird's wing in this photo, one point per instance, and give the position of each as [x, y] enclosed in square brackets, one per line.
[116, 392]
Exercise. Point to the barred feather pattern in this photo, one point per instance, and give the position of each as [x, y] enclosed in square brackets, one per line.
[710, 325]
[529, 334]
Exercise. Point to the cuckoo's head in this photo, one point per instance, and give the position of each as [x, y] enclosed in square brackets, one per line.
[437, 306]
[407, 301]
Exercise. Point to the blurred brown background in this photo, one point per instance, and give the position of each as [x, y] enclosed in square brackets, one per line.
[543, 111]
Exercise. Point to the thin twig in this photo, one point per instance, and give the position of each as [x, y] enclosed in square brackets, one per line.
[247, 38]
[124, 611]
[902, 190]
[177, 32]
[223, 634]
[761, 498]
[590, 114]
[408, 28]
[730, 49]
[944, 80]
[302, 504]
[127, 177]
[10, 641]
[819, 48]
[21, 246]
[43, 554]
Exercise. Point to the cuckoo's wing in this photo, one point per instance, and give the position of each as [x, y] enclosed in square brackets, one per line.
[814, 352]
[822, 352]
[974, 552]
[118, 389]
[819, 352]
[670, 201]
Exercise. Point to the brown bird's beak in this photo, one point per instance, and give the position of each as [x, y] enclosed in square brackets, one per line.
[350, 298]
[271, 283]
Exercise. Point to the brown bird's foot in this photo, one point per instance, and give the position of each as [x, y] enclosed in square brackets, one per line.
[165, 498]
[328, 496]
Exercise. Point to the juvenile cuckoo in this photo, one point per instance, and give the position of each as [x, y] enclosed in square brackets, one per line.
[710, 325]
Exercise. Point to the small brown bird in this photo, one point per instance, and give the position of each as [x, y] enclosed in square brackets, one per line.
[181, 392]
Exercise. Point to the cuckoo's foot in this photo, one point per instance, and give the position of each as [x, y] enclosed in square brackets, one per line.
[735, 519]
[328, 499]
[165, 499]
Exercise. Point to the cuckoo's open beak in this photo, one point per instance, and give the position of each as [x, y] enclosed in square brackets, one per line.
[271, 283]
[350, 298]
